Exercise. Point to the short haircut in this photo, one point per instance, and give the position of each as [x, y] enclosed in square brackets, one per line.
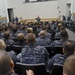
[43, 27]
[68, 48]
[42, 34]
[64, 34]
[6, 34]
[20, 37]
[29, 30]
[31, 38]
[69, 66]
[62, 28]
[14, 29]
[5, 65]
[2, 44]
[59, 24]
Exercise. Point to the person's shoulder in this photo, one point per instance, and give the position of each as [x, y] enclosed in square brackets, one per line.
[48, 39]
[39, 47]
[26, 46]
[56, 41]
[57, 55]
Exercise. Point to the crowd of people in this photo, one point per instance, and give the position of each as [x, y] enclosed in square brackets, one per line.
[33, 37]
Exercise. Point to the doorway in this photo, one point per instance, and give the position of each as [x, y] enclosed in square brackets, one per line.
[68, 11]
[10, 14]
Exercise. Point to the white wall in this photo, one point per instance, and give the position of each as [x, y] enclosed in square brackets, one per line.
[2, 9]
[46, 9]
[69, 1]
[62, 7]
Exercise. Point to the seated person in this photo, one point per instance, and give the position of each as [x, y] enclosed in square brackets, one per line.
[7, 39]
[6, 64]
[13, 32]
[35, 31]
[58, 27]
[68, 49]
[50, 30]
[64, 37]
[23, 30]
[11, 53]
[2, 44]
[29, 30]
[1, 32]
[33, 54]
[42, 40]
[20, 40]
[48, 35]
[58, 34]
[69, 66]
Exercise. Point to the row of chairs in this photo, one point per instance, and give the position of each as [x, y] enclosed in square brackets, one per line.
[54, 38]
[55, 50]
[38, 69]
[52, 52]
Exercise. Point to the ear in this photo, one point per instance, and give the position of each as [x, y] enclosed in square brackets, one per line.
[27, 40]
[12, 63]
[63, 50]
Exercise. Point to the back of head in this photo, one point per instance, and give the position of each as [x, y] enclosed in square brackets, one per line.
[69, 66]
[5, 63]
[42, 34]
[43, 27]
[2, 44]
[68, 48]
[31, 38]
[14, 29]
[6, 34]
[64, 34]
[59, 25]
[34, 28]
[29, 30]
[20, 37]
[62, 28]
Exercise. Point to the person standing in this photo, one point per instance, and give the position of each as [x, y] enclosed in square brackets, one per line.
[38, 19]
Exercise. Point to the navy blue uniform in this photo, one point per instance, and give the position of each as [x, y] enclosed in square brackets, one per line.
[58, 59]
[33, 54]
[58, 42]
[43, 41]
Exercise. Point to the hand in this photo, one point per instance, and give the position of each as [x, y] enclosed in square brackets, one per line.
[29, 72]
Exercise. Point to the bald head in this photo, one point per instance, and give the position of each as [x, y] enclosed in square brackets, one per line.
[69, 66]
[6, 64]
